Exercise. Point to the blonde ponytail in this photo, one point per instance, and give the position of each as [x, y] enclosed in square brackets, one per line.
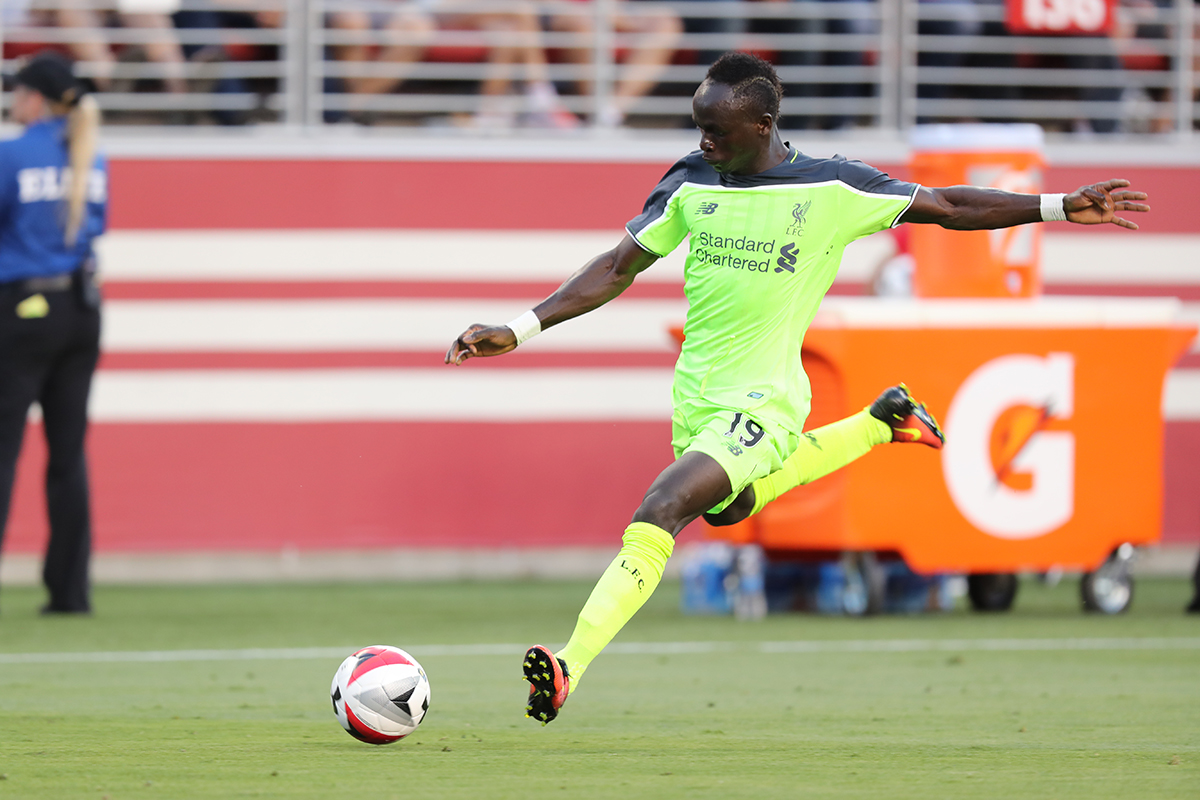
[83, 136]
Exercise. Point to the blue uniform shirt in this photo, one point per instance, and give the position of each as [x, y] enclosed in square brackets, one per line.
[32, 204]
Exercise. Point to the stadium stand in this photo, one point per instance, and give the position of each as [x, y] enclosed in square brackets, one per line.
[862, 64]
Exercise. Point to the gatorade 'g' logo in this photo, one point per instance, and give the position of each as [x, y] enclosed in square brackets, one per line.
[787, 258]
[1009, 471]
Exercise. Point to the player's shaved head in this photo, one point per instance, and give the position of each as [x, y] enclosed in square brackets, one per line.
[752, 81]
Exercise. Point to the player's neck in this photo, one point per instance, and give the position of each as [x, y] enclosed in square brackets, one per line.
[775, 154]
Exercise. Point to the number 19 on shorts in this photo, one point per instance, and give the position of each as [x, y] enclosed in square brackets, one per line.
[749, 427]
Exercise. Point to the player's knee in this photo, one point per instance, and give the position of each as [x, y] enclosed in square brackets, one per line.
[723, 518]
[735, 512]
[662, 509]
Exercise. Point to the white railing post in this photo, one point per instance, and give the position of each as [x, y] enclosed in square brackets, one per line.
[602, 59]
[889, 65]
[1185, 78]
[313, 62]
[907, 63]
[295, 54]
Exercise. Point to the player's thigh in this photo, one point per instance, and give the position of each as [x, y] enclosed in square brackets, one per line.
[745, 447]
[647, 20]
[682, 492]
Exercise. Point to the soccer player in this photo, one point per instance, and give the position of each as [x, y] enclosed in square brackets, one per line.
[767, 227]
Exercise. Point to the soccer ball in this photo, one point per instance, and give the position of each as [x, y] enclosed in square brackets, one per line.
[380, 694]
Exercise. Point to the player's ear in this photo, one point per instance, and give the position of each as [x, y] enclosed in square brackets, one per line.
[765, 123]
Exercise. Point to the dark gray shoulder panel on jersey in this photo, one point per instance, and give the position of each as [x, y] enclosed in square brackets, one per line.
[866, 178]
[798, 168]
[689, 169]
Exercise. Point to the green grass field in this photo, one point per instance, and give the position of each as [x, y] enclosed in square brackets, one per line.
[935, 706]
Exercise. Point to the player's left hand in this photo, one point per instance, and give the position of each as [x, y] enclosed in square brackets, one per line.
[1099, 203]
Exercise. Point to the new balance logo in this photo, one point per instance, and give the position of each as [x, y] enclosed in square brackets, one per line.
[707, 208]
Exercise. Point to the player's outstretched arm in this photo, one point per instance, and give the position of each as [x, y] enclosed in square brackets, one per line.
[600, 280]
[971, 208]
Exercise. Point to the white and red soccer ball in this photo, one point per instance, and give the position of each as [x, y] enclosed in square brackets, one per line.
[380, 694]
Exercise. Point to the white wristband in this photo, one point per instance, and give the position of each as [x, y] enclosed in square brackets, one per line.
[526, 326]
[1052, 208]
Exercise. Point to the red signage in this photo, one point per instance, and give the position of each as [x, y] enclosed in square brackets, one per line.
[1072, 17]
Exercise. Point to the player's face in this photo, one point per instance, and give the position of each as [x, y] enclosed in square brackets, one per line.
[732, 139]
[27, 105]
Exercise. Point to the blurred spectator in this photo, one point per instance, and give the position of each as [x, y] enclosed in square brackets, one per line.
[1194, 606]
[161, 48]
[652, 31]
[730, 26]
[1147, 110]
[949, 18]
[408, 21]
[838, 18]
[515, 53]
[221, 48]
[522, 48]
[1110, 93]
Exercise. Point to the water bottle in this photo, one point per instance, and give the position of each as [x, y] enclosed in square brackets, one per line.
[750, 601]
[706, 569]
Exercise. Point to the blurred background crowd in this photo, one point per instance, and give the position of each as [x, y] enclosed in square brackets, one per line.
[574, 64]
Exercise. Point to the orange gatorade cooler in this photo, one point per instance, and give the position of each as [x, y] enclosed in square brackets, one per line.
[999, 263]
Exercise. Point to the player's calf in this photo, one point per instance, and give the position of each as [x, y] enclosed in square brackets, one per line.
[549, 683]
[909, 420]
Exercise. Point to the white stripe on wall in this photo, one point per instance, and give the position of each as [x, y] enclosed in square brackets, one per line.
[359, 255]
[1181, 396]
[390, 255]
[444, 393]
[370, 324]
[344, 395]
[1067, 257]
[1121, 257]
[399, 325]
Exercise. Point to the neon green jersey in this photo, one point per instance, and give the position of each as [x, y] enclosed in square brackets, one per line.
[764, 250]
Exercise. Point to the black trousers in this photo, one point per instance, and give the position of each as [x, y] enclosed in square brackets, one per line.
[50, 360]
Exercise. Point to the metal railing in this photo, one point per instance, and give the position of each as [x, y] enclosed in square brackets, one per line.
[882, 64]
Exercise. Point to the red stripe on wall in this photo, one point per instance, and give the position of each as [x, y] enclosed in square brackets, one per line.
[289, 194]
[1184, 291]
[241, 194]
[303, 290]
[1191, 361]
[350, 485]
[163, 487]
[1181, 478]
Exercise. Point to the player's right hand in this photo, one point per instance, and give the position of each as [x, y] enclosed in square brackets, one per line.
[481, 341]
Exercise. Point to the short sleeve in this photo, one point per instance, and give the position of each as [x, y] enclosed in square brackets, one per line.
[661, 227]
[871, 200]
[8, 180]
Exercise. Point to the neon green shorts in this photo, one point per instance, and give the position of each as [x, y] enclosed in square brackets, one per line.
[746, 448]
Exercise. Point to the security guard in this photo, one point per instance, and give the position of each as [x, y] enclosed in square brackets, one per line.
[53, 203]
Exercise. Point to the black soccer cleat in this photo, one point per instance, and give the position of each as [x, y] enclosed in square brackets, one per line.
[909, 420]
[550, 682]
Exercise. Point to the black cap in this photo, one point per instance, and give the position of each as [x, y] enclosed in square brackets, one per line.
[51, 74]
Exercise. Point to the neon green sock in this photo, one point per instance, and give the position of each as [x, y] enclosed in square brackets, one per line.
[627, 583]
[821, 452]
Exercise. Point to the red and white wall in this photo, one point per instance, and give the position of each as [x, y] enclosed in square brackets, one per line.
[274, 335]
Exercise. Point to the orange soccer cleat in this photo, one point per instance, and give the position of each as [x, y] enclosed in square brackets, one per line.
[909, 420]
[549, 683]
